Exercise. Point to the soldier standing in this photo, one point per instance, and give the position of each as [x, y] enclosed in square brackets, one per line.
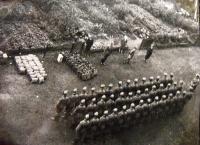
[60, 106]
[149, 51]
[108, 52]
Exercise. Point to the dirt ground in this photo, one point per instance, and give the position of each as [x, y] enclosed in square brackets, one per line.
[25, 108]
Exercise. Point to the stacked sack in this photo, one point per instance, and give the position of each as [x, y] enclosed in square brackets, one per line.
[84, 69]
[31, 65]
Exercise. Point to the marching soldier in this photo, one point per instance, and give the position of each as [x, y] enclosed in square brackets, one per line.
[126, 87]
[122, 118]
[102, 102]
[84, 93]
[131, 114]
[60, 106]
[110, 89]
[113, 119]
[95, 122]
[103, 122]
[111, 99]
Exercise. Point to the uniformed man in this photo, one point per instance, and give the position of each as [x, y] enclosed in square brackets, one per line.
[84, 93]
[102, 102]
[123, 118]
[126, 87]
[149, 51]
[103, 122]
[60, 106]
[113, 119]
[111, 99]
[93, 102]
[131, 114]
[131, 54]
[151, 79]
[79, 111]
[144, 80]
[171, 76]
[95, 123]
[110, 89]
[107, 53]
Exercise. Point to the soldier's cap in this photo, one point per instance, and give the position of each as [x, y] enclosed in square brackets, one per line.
[171, 75]
[65, 92]
[138, 92]
[151, 78]
[144, 79]
[112, 96]
[170, 95]
[94, 99]
[178, 92]
[132, 105]
[124, 107]
[121, 94]
[75, 90]
[105, 112]
[110, 85]
[93, 88]
[128, 81]
[149, 100]
[103, 97]
[82, 101]
[158, 77]
[115, 110]
[141, 101]
[87, 116]
[136, 80]
[168, 85]
[96, 114]
[156, 98]
[161, 85]
[130, 93]
[84, 88]
[164, 96]
[120, 82]
[191, 88]
[154, 87]
[102, 85]
[146, 90]
[181, 82]
[165, 74]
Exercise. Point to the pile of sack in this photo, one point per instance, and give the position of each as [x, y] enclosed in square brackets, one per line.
[84, 69]
[31, 65]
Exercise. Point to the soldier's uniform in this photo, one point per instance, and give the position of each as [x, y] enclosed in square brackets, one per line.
[131, 115]
[113, 119]
[79, 111]
[95, 123]
[103, 122]
[60, 106]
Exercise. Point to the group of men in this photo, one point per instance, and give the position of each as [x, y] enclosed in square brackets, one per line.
[99, 109]
[131, 51]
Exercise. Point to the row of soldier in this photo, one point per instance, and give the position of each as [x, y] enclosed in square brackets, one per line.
[129, 115]
[70, 102]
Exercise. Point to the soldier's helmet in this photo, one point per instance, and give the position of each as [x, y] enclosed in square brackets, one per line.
[65, 92]
[128, 82]
[156, 98]
[175, 84]
[165, 75]
[197, 76]
[138, 92]
[149, 100]
[164, 97]
[161, 86]
[87, 116]
[141, 102]
[170, 95]
[144, 79]
[191, 89]
[104, 97]
[82, 101]
[124, 107]
[132, 105]
[151, 78]
[178, 93]
[94, 100]
[120, 83]
[96, 114]
[157, 78]
[121, 94]
[110, 85]
[130, 94]
[154, 87]
[115, 110]
[168, 85]
[184, 93]
[112, 96]
[181, 83]
[102, 86]
[75, 90]
[84, 89]
[93, 89]
[171, 75]
[136, 81]
[105, 112]
[146, 90]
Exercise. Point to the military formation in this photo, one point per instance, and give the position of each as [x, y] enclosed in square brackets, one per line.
[113, 108]
[31, 65]
[84, 69]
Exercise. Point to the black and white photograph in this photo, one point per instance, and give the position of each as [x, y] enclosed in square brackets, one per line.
[99, 72]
